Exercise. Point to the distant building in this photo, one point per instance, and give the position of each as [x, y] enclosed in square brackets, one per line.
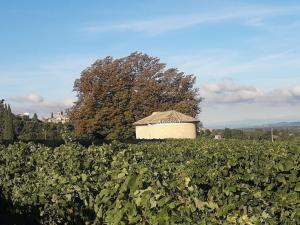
[203, 129]
[24, 116]
[164, 125]
[218, 137]
[58, 118]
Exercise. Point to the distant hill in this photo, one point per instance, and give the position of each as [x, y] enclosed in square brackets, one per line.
[252, 124]
[282, 124]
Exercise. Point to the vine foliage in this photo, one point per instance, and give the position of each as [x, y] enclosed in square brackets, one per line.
[171, 182]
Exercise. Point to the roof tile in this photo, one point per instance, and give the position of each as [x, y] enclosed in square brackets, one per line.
[166, 117]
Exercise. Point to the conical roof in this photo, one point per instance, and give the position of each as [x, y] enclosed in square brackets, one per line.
[166, 117]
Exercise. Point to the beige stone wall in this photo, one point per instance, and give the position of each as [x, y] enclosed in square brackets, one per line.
[166, 130]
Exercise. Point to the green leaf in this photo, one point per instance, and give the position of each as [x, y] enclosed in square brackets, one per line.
[153, 203]
[83, 177]
[257, 194]
[281, 178]
[138, 201]
[133, 219]
[163, 201]
[297, 187]
[187, 180]
[172, 205]
[199, 204]
[212, 205]
[121, 175]
[68, 197]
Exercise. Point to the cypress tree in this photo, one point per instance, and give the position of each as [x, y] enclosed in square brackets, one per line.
[8, 133]
[2, 112]
[35, 117]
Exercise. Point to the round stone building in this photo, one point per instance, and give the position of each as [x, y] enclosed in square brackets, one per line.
[165, 125]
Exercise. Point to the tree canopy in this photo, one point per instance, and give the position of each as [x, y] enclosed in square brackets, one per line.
[8, 133]
[6, 122]
[114, 93]
[22, 128]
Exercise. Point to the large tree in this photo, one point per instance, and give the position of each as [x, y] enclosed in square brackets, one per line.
[114, 93]
[2, 118]
[8, 132]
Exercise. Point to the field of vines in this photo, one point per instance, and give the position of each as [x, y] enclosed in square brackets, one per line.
[159, 182]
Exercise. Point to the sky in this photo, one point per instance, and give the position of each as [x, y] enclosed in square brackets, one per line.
[244, 54]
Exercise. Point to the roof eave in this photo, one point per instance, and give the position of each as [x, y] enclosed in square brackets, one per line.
[141, 124]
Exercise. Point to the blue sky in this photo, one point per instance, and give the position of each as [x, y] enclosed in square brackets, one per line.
[245, 54]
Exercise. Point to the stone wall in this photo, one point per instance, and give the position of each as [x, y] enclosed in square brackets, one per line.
[166, 130]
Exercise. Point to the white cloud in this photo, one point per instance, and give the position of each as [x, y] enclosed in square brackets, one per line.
[62, 104]
[36, 103]
[35, 98]
[229, 103]
[228, 91]
[227, 115]
[252, 16]
[296, 91]
[227, 85]
[51, 79]
[32, 98]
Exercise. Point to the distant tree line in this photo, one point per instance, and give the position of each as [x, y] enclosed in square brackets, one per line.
[279, 134]
[23, 128]
[6, 122]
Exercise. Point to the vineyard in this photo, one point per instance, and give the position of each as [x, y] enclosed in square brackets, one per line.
[170, 182]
